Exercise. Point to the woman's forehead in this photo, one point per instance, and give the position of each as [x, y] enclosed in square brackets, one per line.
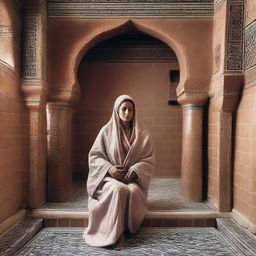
[126, 103]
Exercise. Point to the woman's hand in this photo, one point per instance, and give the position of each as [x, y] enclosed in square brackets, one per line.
[130, 177]
[116, 173]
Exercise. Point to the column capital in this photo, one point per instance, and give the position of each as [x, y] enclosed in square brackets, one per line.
[35, 92]
[192, 107]
[59, 105]
[226, 93]
[68, 94]
[192, 98]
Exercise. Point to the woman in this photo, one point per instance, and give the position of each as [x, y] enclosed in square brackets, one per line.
[121, 164]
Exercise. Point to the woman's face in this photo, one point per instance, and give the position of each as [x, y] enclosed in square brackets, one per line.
[126, 111]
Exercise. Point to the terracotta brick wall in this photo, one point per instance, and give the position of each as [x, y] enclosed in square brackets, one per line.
[13, 145]
[212, 156]
[149, 84]
[245, 130]
[245, 156]
[13, 123]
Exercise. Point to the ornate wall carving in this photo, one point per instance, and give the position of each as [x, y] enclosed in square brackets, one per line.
[250, 46]
[235, 35]
[217, 59]
[34, 57]
[31, 58]
[130, 8]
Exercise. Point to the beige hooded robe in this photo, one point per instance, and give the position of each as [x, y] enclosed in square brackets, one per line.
[113, 205]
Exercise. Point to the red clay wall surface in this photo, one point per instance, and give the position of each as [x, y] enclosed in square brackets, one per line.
[13, 119]
[218, 48]
[245, 130]
[149, 85]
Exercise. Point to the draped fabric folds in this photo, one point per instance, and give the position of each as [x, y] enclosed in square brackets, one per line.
[113, 205]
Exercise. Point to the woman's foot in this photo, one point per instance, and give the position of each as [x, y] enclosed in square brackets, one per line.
[121, 243]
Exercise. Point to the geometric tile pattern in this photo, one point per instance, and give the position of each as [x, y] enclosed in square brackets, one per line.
[182, 241]
[250, 46]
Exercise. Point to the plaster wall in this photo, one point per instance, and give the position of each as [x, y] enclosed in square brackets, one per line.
[149, 84]
[13, 118]
[69, 39]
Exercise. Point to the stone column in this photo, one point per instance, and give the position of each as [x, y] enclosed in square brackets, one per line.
[34, 88]
[59, 151]
[191, 170]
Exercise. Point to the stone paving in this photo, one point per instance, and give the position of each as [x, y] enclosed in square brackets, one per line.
[164, 195]
[181, 241]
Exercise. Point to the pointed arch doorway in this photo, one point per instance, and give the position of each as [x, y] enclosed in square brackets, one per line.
[146, 68]
[70, 86]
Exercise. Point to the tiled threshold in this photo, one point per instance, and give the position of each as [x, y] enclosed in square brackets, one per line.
[225, 235]
[166, 208]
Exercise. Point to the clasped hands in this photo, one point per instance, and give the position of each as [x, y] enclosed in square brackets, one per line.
[123, 176]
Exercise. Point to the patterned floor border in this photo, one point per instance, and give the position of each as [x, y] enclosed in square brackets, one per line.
[172, 241]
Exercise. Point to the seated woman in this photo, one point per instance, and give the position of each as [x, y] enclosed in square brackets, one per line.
[121, 164]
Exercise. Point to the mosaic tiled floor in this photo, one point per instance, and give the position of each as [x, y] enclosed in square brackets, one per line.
[164, 195]
[182, 241]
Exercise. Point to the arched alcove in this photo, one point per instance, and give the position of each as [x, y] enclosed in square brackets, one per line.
[67, 89]
[136, 64]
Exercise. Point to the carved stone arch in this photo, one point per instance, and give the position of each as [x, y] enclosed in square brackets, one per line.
[123, 28]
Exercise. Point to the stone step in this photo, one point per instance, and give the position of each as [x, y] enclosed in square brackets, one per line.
[19, 235]
[241, 238]
[62, 218]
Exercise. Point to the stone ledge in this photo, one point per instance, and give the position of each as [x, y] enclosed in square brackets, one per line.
[14, 240]
[243, 221]
[61, 214]
[60, 218]
[239, 237]
[12, 221]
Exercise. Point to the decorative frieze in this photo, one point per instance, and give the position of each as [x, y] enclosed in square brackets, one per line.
[235, 35]
[250, 46]
[35, 32]
[129, 8]
[32, 37]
